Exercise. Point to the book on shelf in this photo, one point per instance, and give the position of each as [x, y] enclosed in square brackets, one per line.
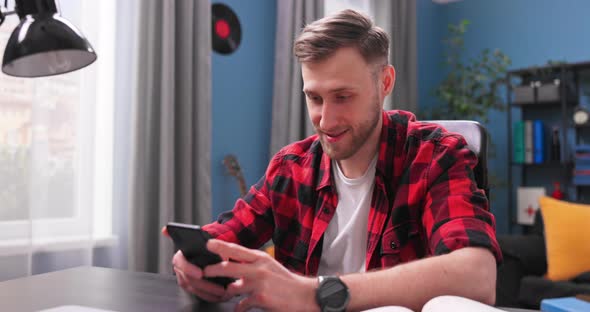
[581, 174]
[518, 139]
[528, 142]
[582, 155]
[538, 142]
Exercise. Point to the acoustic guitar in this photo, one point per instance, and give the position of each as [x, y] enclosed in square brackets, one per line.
[233, 167]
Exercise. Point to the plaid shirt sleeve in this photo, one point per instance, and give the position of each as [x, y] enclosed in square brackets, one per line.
[250, 223]
[456, 212]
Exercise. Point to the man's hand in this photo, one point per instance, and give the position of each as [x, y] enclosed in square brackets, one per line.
[190, 278]
[265, 282]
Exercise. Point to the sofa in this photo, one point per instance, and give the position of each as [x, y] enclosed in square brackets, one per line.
[521, 280]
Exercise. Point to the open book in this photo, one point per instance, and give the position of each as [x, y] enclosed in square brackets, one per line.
[445, 304]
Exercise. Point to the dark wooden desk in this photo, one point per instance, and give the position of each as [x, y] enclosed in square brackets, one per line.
[104, 288]
[101, 288]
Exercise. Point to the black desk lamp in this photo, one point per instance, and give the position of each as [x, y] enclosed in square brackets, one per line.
[43, 43]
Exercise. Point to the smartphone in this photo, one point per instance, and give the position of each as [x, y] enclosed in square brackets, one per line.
[192, 241]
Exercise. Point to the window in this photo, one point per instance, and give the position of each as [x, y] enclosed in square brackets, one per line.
[56, 136]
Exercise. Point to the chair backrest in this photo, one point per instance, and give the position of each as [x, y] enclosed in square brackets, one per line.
[476, 136]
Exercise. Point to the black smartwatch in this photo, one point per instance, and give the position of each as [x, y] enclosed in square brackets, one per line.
[332, 294]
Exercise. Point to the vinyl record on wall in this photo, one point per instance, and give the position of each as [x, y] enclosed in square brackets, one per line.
[226, 29]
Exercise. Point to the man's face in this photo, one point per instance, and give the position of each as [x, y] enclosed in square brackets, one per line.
[344, 97]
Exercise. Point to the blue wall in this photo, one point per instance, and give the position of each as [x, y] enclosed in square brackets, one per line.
[241, 99]
[530, 32]
[430, 32]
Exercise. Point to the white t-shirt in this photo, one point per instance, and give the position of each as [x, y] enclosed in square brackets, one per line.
[345, 240]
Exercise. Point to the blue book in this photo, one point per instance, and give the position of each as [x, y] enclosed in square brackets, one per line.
[582, 167]
[538, 142]
[581, 180]
[582, 148]
[566, 304]
[528, 142]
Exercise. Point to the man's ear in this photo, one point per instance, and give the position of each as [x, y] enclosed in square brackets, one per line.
[387, 79]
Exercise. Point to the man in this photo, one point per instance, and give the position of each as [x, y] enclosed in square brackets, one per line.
[383, 208]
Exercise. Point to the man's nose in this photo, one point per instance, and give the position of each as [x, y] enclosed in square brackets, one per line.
[328, 119]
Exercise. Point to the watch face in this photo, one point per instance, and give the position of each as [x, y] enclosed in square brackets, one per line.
[333, 294]
[581, 117]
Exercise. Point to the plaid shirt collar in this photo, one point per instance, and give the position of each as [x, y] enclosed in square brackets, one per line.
[384, 167]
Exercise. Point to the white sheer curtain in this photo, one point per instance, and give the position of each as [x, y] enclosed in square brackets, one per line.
[56, 156]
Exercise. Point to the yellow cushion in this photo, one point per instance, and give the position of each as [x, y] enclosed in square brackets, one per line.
[567, 237]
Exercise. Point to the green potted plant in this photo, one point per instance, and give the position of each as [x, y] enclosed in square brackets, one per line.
[468, 90]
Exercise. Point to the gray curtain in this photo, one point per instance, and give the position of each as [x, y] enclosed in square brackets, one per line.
[289, 114]
[172, 112]
[398, 19]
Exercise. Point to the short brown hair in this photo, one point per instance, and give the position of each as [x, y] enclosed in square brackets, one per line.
[347, 28]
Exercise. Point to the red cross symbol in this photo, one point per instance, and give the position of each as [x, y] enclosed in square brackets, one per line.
[530, 211]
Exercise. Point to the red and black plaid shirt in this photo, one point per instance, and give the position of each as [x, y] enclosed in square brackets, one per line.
[425, 200]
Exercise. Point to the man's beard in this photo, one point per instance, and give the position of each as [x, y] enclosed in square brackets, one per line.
[359, 136]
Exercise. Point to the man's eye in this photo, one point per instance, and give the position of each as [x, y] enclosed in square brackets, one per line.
[342, 98]
[314, 98]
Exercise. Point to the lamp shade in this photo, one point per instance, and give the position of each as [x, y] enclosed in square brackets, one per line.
[44, 43]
